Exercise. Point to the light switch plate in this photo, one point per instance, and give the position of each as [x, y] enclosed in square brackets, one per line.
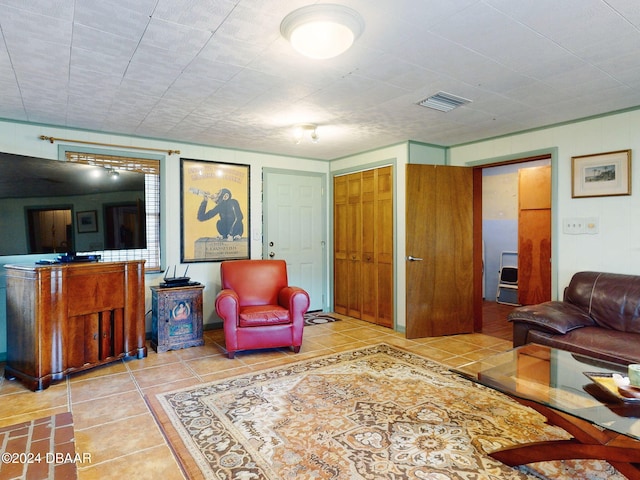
[573, 226]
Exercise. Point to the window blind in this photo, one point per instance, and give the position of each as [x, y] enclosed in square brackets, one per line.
[151, 170]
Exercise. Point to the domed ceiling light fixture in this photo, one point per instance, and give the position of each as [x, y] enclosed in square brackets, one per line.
[323, 30]
[300, 130]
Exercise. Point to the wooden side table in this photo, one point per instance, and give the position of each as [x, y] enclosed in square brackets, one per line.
[176, 317]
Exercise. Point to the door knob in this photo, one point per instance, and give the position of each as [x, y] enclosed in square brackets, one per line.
[272, 254]
[414, 259]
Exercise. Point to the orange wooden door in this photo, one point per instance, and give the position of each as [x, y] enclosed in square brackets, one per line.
[363, 245]
[340, 245]
[534, 235]
[377, 246]
[439, 239]
[384, 246]
[369, 283]
[348, 244]
[354, 245]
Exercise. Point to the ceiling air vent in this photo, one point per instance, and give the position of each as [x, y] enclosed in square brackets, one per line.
[443, 101]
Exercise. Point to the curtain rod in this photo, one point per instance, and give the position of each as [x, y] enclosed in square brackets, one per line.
[52, 139]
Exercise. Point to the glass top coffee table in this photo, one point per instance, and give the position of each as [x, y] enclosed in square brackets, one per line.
[574, 392]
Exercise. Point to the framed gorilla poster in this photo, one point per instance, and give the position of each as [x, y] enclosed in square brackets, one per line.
[214, 211]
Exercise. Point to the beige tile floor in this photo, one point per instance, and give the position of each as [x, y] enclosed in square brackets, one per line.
[114, 425]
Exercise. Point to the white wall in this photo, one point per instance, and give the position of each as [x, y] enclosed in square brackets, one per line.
[23, 139]
[499, 223]
[616, 248]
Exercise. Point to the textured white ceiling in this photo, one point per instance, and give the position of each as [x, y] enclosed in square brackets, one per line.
[217, 72]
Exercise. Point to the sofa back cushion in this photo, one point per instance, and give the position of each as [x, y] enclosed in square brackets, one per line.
[257, 282]
[611, 299]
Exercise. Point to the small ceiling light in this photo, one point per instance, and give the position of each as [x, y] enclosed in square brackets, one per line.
[112, 172]
[300, 130]
[323, 30]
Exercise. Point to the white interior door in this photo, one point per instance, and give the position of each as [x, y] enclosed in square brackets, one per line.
[294, 229]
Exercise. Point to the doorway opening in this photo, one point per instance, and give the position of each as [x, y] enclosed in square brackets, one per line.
[508, 217]
[49, 230]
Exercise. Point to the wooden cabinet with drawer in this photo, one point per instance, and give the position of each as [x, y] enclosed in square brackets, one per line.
[65, 318]
[176, 317]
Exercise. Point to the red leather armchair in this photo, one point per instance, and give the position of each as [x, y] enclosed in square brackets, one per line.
[258, 307]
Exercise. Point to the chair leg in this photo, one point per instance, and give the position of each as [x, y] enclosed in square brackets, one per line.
[231, 354]
[296, 349]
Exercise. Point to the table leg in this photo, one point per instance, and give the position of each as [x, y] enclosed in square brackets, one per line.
[564, 450]
[588, 442]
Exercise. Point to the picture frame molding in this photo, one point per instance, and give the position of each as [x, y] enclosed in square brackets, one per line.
[87, 221]
[604, 174]
[205, 178]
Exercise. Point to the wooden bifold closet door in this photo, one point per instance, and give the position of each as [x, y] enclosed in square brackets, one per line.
[363, 245]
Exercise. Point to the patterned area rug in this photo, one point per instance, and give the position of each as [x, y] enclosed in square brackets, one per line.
[318, 318]
[372, 413]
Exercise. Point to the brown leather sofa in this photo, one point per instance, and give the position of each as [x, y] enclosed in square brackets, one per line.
[599, 317]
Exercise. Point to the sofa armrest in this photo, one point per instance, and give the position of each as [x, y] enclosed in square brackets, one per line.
[227, 305]
[294, 299]
[555, 317]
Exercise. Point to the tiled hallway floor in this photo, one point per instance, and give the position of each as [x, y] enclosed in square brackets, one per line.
[115, 427]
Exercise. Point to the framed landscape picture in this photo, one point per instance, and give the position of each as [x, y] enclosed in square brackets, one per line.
[601, 174]
[87, 221]
[214, 210]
